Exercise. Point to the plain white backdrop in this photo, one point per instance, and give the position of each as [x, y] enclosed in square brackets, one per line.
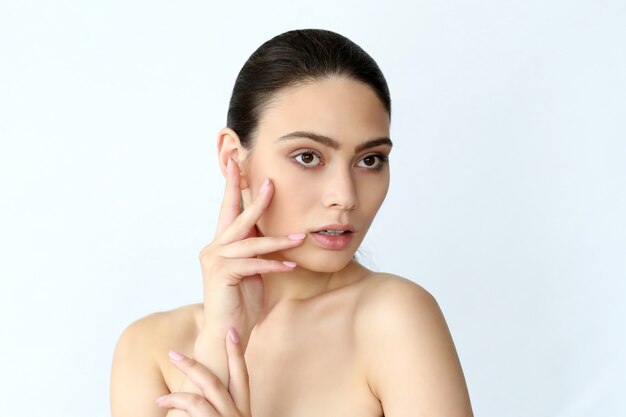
[507, 199]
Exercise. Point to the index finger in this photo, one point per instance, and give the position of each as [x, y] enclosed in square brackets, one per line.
[230, 207]
[239, 381]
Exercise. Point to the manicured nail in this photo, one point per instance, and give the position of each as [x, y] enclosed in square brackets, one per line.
[229, 163]
[290, 264]
[233, 335]
[175, 356]
[161, 398]
[296, 236]
[264, 185]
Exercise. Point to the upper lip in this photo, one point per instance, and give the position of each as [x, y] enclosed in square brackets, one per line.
[336, 226]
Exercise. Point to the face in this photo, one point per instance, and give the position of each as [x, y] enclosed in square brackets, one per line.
[341, 179]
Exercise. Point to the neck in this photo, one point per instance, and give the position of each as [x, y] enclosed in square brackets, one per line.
[302, 284]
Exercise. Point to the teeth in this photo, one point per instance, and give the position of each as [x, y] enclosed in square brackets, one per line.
[332, 232]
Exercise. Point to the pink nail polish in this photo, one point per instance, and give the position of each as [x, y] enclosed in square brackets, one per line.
[233, 335]
[290, 264]
[175, 356]
[264, 185]
[296, 236]
[161, 398]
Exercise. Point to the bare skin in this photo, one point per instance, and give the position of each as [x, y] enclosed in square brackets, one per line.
[318, 365]
[324, 337]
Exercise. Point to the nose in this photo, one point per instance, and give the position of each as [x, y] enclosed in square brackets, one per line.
[340, 191]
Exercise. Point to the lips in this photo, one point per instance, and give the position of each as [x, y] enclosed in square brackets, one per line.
[337, 227]
[333, 236]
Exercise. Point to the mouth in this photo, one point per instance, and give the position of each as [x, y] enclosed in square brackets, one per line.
[335, 228]
[334, 237]
[331, 232]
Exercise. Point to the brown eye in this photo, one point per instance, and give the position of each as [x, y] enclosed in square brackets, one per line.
[369, 160]
[373, 161]
[307, 159]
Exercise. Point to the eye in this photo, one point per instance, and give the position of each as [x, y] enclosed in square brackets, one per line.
[374, 161]
[307, 159]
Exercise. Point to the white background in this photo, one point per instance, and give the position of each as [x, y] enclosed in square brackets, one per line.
[507, 200]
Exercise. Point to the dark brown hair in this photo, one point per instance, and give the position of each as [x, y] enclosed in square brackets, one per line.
[292, 58]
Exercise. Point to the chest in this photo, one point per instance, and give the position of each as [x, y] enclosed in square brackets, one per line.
[311, 370]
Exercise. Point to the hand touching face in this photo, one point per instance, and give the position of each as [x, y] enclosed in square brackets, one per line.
[325, 146]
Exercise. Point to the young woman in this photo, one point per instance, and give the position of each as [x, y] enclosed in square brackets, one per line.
[291, 324]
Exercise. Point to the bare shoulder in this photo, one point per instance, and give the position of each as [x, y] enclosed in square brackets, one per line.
[385, 295]
[174, 327]
[140, 358]
[407, 351]
[390, 305]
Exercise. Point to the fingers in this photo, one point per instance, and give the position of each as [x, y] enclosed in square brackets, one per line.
[193, 404]
[240, 259]
[216, 395]
[230, 204]
[253, 266]
[239, 382]
[216, 401]
[255, 246]
[233, 225]
[234, 270]
[240, 227]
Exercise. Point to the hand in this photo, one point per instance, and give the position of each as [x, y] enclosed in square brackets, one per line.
[215, 400]
[233, 287]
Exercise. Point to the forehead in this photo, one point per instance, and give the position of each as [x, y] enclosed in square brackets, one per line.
[345, 109]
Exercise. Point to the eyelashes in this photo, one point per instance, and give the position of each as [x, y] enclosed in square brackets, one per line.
[382, 159]
[309, 159]
[310, 154]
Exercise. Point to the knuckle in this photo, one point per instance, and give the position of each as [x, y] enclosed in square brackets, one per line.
[207, 258]
[218, 265]
[212, 383]
[197, 401]
[248, 242]
[245, 376]
[202, 256]
[205, 252]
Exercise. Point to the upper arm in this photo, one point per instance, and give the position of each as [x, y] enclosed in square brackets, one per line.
[411, 361]
[136, 379]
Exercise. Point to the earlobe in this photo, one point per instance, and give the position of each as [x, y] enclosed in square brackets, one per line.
[229, 146]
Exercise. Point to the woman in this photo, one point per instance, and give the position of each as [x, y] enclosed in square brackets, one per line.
[305, 155]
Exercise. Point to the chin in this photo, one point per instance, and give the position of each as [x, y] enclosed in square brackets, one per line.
[320, 260]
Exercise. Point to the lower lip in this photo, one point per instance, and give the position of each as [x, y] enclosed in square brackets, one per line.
[332, 242]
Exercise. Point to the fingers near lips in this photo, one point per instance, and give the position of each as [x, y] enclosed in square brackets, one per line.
[250, 266]
[255, 246]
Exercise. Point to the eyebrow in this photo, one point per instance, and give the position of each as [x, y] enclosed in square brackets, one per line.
[332, 143]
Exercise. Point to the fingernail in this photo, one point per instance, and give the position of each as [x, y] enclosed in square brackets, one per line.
[233, 335]
[175, 356]
[290, 264]
[264, 185]
[161, 398]
[296, 236]
[229, 163]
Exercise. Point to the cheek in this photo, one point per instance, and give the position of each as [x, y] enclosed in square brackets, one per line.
[287, 211]
[372, 192]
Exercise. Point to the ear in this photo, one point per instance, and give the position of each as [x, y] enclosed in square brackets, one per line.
[229, 146]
